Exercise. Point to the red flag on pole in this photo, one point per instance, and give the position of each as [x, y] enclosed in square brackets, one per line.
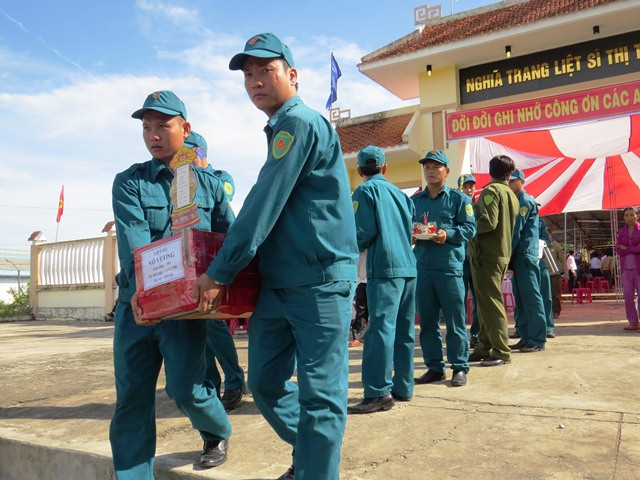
[60, 205]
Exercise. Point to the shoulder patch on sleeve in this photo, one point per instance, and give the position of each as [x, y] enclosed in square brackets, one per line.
[524, 211]
[469, 209]
[487, 199]
[228, 188]
[281, 144]
[355, 206]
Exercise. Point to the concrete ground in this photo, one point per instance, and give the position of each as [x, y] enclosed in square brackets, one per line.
[570, 412]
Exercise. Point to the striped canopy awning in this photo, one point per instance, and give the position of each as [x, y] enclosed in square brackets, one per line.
[590, 166]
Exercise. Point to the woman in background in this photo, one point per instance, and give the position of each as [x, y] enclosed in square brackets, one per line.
[628, 248]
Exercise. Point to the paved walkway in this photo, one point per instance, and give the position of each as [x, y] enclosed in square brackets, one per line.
[570, 412]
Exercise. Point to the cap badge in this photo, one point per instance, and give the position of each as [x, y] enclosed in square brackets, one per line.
[156, 95]
[252, 41]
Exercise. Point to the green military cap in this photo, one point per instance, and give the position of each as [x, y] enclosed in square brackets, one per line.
[263, 45]
[437, 156]
[195, 140]
[467, 177]
[163, 101]
[517, 175]
[371, 152]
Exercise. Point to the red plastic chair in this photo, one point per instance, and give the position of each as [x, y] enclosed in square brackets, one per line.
[581, 295]
[603, 285]
[593, 285]
[234, 324]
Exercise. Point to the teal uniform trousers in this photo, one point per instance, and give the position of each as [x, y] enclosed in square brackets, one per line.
[138, 354]
[220, 347]
[304, 328]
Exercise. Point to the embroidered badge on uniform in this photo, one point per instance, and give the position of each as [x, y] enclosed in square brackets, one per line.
[355, 206]
[523, 211]
[281, 144]
[487, 199]
[469, 209]
[228, 188]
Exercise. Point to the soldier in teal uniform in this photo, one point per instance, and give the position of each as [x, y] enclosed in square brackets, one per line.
[384, 216]
[531, 323]
[141, 206]
[467, 185]
[220, 345]
[545, 282]
[440, 266]
[298, 218]
[490, 250]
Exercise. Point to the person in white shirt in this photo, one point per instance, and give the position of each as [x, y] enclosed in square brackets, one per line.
[595, 265]
[572, 269]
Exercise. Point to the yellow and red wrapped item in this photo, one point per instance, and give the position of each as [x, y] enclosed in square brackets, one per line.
[167, 270]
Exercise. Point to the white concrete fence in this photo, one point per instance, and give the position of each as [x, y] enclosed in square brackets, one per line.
[74, 279]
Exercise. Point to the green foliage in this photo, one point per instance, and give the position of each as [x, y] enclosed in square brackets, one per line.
[20, 302]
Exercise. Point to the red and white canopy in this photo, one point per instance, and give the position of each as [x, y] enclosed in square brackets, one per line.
[590, 166]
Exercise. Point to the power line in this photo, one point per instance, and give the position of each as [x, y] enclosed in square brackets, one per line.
[56, 208]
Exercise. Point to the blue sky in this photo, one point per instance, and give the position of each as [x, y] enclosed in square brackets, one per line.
[72, 72]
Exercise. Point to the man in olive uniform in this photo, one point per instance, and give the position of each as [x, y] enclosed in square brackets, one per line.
[384, 216]
[439, 259]
[220, 345]
[529, 307]
[299, 218]
[141, 206]
[496, 212]
[467, 185]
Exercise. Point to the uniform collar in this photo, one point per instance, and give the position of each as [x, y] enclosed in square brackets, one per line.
[292, 102]
[155, 167]
[377, 176]
[443, 191]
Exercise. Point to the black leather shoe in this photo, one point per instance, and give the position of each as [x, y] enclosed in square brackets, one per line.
[476, 357]
[551, 335]
[459, 378]
[430, 377]
[518, 346]
[370, 405]
[514, 335]
[214, 453]
[231, 399]
[531, 349]
[289, 474]
[494, 362]
[399, 398]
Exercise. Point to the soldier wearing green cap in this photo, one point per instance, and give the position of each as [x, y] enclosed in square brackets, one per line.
[220, 345]
[440, 263]
[490, 250]
[299, 218]
[545, 283]
[199, 144]
[141, 206]
[531, 324]
[467, 184]
[384, 216]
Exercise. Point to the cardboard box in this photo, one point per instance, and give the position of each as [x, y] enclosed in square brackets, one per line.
[167, 270]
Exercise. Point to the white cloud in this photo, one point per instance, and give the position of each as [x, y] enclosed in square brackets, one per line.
[81, 134]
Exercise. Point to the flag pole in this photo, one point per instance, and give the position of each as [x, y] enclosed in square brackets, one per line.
[57, 227]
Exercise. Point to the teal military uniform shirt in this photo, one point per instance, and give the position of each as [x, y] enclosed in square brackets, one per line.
[298, 216]
[142, 205]
[526, 229]
[452, 211]
[384, 215]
